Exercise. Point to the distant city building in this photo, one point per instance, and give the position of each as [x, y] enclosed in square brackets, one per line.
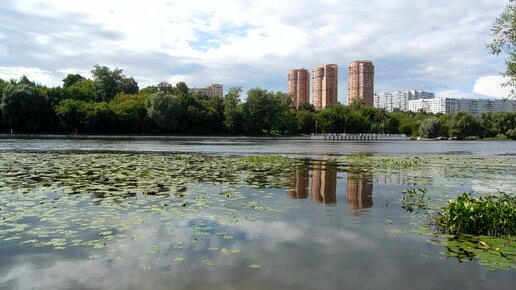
[298, 86]
[452, 105]
[398, 100]
[361, 82]
[324, 86]
[214, 90]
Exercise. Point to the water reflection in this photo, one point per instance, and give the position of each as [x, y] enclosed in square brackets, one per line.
[321, 181]
[299, 184]
[324, 183]
[360, 190]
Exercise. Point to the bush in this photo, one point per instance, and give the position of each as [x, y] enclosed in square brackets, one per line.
[511, 134]
[490, 215]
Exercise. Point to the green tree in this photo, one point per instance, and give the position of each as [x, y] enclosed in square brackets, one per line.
[263, 111]
[503, 122]
[430, 127]
[107, 83]
[305, 122]
[128, 86]
[130, 111]
[83, 90]
[71, 79]
[71, 113]
[23, 109]
[233, 118]
[98, 118]
[463, 125]
[181, 89]
[165, 110]
[504, 42]
[166, 88]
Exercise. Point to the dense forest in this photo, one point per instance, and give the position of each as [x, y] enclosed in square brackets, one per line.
[112, 103]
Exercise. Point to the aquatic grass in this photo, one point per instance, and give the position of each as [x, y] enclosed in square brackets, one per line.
[490, 215]
[414, 199]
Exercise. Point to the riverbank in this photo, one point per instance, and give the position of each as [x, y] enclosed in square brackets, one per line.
[313, 137]
[145, 137]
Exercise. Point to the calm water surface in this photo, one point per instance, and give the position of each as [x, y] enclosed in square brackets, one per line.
[103, 215]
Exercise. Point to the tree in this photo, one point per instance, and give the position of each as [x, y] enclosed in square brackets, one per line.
[71, 79]
[106, 82]
[166, 88]
[23, 108]
[181, 89]
[463, 125]
[83, 90]
[305, 122]
[233, 118]
[262, 110]
[130, 111]
[165, 110]
[430, 127]
[504, 41]
[128, 86]
[98, 117]
[71, 113]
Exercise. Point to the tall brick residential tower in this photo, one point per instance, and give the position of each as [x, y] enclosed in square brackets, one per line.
[298, 86]
[361, 82]
[325, 81]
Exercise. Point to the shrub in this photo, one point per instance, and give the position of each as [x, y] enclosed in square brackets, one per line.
[490, 215]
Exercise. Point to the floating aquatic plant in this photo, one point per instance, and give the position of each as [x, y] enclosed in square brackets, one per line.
[490, 215]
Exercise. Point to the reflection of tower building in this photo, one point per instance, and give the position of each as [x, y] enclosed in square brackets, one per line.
[360, 190]
[298, 86]
[361, 82]
[324, 184]
[299, 184]
[324, 86]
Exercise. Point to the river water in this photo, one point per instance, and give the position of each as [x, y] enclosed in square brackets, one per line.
[192, 214]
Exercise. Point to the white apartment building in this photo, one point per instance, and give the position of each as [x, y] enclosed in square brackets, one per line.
[451, 105]
[399, 100]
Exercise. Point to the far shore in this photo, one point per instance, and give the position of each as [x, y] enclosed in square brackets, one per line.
[148, 137]
[122, 137]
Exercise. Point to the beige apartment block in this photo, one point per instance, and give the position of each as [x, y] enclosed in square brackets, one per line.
[214, 90]
[298, 86]
[361, 82]
[325, 81]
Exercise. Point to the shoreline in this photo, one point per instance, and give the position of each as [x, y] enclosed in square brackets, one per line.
[146, 137]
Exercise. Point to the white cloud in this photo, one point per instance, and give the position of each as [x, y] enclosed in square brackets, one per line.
[419, 44]
[454, 94]
[492, 86]
[34, 74]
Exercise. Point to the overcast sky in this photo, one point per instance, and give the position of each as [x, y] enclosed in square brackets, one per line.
[434, 45]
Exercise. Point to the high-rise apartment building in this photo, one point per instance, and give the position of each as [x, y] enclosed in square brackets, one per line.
[298, 86]
[361, 82]
[325, 81]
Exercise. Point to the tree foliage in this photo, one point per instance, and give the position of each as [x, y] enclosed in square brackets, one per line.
[71, 79]
[233, 117]
[83, 105]
[165, 110]
[430, 128]
[23, 109]
[109, 82]
[504, 42]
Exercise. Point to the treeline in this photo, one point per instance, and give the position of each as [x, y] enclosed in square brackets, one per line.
[112, 103]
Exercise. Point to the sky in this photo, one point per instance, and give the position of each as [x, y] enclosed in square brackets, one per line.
[432, 45]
